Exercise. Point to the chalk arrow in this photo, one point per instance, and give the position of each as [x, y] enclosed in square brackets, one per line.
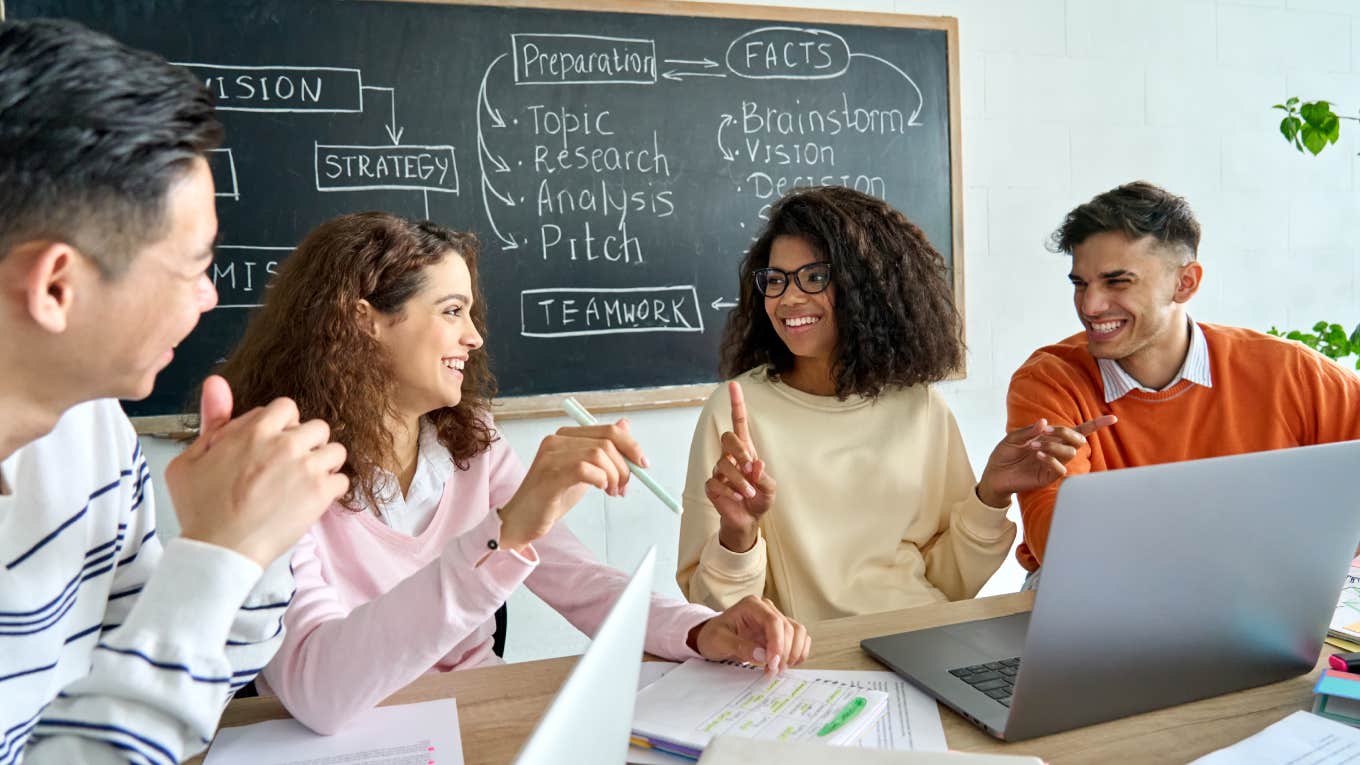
[393, 131]
[496, 162]
[720, 304]
[507, 242]
[485, 103]
[677, 76]
[704, 62]
[920, 99]
[726, 120]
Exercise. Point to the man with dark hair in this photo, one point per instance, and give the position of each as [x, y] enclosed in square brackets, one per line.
[1181, 390]
[112, 647]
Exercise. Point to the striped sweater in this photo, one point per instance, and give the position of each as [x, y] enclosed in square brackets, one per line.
[112, 647]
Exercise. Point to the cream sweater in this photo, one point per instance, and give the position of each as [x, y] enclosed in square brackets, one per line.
[874, 508]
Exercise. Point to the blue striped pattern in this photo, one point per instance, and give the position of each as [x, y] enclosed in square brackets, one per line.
[52, 624]
[122, 738]
[12, 742]
[188, 672]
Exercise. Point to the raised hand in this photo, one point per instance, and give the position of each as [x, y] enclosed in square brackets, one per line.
[740, 488]
[568, 463]
[753, 630]
[1033, 457]
[256, 483]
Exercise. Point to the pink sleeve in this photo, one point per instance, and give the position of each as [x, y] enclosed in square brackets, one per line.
[505, 473]
[335, 664]
[570, 580]
[582, 589]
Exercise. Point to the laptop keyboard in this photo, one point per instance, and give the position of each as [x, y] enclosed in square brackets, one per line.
[994, 678]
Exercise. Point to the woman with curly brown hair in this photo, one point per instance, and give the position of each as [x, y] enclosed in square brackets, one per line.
[375, 325]
[845, 319]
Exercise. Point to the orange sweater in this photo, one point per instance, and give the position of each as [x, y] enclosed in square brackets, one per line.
[1267, 394]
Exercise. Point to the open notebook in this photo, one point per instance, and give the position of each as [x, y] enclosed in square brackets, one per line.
[1346, 620]
[683, 711]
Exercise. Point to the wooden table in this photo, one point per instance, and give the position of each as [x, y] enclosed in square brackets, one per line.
[499, 706]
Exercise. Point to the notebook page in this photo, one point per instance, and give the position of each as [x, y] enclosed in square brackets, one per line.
[700, 700]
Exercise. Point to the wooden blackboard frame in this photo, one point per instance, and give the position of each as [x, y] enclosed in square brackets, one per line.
[549, 405]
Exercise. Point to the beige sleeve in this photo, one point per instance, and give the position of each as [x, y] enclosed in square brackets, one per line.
[974, 537]
[707, 572]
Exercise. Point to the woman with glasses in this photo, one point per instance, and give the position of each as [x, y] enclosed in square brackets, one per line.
[845, 319]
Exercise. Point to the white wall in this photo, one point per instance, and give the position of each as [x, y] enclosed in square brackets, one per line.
[1063, 99]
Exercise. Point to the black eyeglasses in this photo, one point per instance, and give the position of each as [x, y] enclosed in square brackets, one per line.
[812, 278]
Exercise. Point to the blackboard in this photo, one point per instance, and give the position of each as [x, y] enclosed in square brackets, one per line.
[616, 160]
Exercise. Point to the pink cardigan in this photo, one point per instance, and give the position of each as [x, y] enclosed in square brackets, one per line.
[375, 608]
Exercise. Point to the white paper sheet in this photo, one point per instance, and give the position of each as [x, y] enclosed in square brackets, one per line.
[1302, 738]
[913, 719]
[912, 722]
[405, 734]
[653, 671]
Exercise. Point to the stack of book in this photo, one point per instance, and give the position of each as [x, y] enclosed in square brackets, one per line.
[1338, 696]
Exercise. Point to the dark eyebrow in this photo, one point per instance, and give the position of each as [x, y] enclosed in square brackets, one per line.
[1118, 273]
[453, 296]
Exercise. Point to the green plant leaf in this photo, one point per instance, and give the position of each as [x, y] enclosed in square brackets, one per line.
[1292, 101]
[1314, 140]
[1337, 342]
[1289, 127]
[1332, 128]
[1320, 326]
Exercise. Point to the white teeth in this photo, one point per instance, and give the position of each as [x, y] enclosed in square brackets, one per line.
[1106, 327]
[801, 321]
[454, 364]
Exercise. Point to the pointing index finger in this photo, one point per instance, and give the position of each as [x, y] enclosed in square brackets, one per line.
[1091, 426]
[740, 423]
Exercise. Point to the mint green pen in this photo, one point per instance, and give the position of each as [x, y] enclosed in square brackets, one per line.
[577, 412]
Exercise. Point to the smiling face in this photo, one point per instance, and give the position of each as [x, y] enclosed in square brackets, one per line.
[1129, 295]
[430, 339]
[131, 324]
[805, 322]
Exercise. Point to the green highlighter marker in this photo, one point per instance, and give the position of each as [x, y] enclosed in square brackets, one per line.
[573, 407]
[844, 716]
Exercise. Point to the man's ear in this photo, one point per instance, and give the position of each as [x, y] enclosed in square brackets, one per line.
[48, 278]
[367, 317]
[1188, 280]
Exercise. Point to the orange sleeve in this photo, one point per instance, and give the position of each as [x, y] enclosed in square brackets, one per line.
[1334, 414]
[1031, 397]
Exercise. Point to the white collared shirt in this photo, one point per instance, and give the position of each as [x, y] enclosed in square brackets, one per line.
[1119, 383]
[412, 513]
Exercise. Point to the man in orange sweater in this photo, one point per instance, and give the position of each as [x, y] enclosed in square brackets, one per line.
[1181, 390]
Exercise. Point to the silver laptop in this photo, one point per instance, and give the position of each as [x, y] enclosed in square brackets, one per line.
[591, 718]
[1161, 585]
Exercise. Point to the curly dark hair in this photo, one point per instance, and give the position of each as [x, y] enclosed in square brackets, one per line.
[896, 323]
[1138, 209]
[307, 342]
